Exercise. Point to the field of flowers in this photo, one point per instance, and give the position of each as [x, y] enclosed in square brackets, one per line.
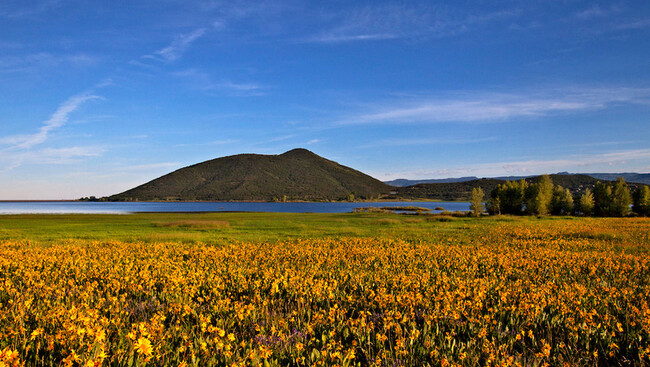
[546, 292]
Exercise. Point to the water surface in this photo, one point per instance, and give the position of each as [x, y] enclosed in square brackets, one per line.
[72, 207]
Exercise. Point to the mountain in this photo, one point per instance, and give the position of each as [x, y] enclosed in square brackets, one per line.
[401, 182]
[628, 176]
[295, 175]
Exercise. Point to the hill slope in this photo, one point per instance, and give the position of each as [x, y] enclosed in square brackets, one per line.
[446, 191]
[643, 178]
[295, 175]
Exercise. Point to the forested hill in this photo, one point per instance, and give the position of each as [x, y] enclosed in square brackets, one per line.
[460, 191]
[295, 175]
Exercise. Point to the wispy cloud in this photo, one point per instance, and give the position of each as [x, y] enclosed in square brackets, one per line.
[617, 18]
[371, 23]
[610, 161]
[211, 142]
[596, 11]
[572, 163]
[398, 142]
[400, 21]
[638, 24]
[178, 46]
[490, 107]
[200, 80]
[240, 87]
[29, 9]
[10, 159]
[56, 120]
[151, 166]
[45, 61]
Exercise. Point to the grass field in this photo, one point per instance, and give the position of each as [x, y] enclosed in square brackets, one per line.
[323, 289]
[221, 228]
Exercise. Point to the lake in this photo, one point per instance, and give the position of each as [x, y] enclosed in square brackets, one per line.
[80, 207]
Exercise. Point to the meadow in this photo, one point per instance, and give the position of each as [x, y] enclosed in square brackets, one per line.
[363, 289]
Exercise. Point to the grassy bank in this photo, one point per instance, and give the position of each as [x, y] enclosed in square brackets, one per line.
[222, 227]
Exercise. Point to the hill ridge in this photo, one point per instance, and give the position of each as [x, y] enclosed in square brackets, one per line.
[641, 178]
[297, 174]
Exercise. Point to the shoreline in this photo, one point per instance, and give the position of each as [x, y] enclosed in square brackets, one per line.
[236, 201]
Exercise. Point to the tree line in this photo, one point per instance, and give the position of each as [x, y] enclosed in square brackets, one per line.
[544, 198]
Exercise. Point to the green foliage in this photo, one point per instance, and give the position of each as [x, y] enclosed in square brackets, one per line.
[493, 205]
[562, 202]
[642, 201]
[510, 196]
[602, 199]
[586, 203]
[538, 196]
[476, 201]
[621, 199]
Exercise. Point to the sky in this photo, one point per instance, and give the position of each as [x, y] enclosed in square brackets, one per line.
[101, 96]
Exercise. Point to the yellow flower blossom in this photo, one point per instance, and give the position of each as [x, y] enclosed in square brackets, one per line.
[143, 346]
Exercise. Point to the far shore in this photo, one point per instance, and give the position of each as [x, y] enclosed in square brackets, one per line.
[231, 201]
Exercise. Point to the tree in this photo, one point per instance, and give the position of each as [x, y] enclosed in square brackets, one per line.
[539, 196]
[493, 204]
[562, 202]
[476, 201]
[586, 203]
[602, 199]
[621, 199]
[511, 196]
[642, 201]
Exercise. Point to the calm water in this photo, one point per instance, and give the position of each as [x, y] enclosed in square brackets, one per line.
[65, 207]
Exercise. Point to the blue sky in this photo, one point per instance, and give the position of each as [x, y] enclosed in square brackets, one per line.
[98, 97]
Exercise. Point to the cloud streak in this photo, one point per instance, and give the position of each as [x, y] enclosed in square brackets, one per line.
[612, 161]
[397, 22]
[45, 60]
[397, 142]
[30, 9]
[492, 107]
[178, 46]
[199, 80]
[597, 11]
[59, 118]
[10, 160]
[636, 25]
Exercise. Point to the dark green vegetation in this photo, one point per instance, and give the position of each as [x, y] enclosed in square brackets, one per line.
[457, 191]
[295, 175]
